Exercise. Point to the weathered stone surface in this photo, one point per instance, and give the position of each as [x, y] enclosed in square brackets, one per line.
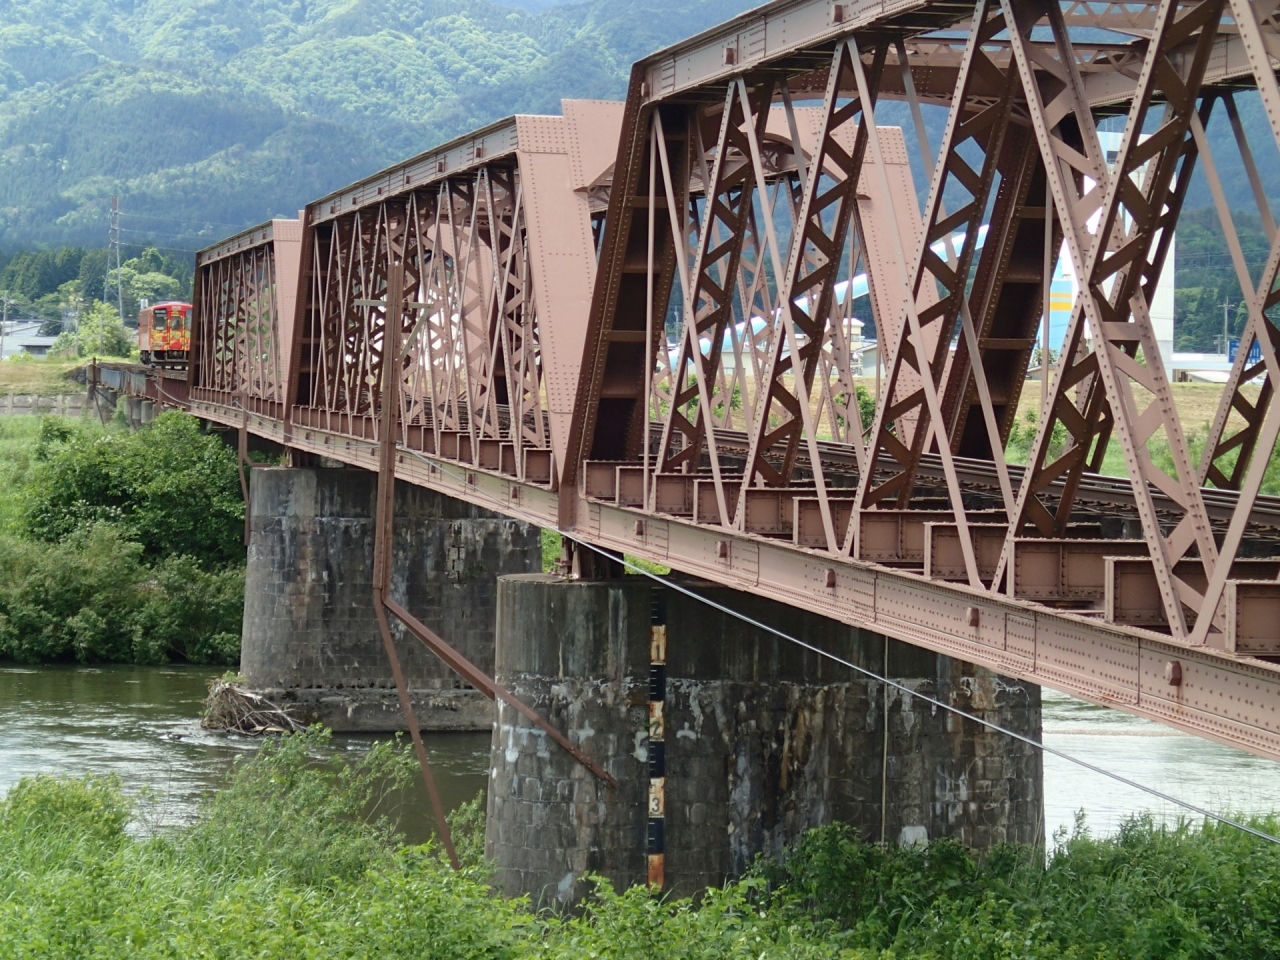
[763, 740]
[577, 652]
[310, 635]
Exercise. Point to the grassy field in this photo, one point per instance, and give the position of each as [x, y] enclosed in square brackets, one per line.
[45, 378]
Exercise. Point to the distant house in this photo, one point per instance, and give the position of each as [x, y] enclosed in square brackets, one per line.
[35, 345]
[20, 330]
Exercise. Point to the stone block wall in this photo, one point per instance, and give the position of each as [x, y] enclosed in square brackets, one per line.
[762, 739]
[310, 635]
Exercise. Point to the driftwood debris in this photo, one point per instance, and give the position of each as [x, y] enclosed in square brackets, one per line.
[230, 706]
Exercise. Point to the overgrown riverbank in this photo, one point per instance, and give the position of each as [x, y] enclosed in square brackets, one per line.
[119, 547]
[292, 860]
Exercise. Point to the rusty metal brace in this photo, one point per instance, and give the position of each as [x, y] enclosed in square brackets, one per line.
[242, 466]
[488, 686]
[384, 519]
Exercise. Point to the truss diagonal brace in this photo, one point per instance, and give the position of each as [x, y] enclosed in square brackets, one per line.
[1122, 257]
[389, 406]
[490, 687]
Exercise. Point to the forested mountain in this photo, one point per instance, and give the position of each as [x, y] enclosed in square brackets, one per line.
[209, 115]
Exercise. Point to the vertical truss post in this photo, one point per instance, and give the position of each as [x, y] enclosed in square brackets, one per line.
[1128, 260]
[388, 407]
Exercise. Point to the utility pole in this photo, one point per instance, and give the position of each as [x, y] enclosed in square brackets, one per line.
[1226, 338]
[115, 246]
[4, 322]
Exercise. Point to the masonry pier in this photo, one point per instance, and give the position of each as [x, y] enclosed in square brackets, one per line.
[727, 741]
[310, 636]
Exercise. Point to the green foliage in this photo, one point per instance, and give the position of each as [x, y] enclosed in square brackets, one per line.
[205, 118]
[551, 547]
[98, 333]
[189, 613]
[172, 487]
[1206, 279]
[73, 282]
[1148, 894]
[312, 823]
[1022, 437]
[138, 556]
[90, 597]
[44, 809]
[284, 863]
[298, 857]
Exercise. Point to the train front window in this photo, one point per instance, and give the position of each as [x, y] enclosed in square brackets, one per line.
[179, 320]
[161, 319]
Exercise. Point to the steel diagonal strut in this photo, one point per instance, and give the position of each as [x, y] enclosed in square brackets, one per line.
[1260, 329]
[1129, 259]
[392, 320]
[1264, 425]
[827, 208]
[903, 414]
[710, 290]
[393, 311]
[919, 346]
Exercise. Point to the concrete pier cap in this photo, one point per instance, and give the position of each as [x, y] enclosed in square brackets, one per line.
[728, 742]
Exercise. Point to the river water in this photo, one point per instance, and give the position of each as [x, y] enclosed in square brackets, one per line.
[142, 723]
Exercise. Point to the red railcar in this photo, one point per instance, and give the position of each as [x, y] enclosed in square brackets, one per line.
[164, 334]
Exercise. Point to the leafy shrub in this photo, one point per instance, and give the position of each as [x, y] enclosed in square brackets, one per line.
[313, 822]
[41, 808]
[296, 858]
[71, 600]
[99, 333]
[172, 487]
[91, 597]
[1150, 893]
[189, 613]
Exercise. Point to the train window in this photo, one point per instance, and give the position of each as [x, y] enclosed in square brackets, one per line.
[161, 317]
[178, 318]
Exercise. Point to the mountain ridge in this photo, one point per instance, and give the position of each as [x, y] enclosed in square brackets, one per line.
[207, 115]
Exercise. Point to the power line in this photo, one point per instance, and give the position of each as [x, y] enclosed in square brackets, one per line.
[148, 216]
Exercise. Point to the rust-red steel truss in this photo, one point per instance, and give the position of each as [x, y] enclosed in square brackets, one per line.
[636, 322]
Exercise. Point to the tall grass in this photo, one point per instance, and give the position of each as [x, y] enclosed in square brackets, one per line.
[297, 858]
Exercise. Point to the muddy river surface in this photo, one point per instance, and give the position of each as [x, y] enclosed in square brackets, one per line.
[142, 723]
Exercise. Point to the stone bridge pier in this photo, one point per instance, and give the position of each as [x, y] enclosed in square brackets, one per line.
[727, 741]
[310, 636]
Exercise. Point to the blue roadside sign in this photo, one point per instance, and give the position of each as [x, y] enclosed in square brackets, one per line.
[1255, 351]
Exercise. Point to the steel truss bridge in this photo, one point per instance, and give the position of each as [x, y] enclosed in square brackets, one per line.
[521, 279]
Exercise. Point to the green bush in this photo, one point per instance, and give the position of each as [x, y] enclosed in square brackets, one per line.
[172, 487]
[1207, 892]
[91, 598]
[41, 810]
[189, 613]
[313, 823]
[296, 858]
